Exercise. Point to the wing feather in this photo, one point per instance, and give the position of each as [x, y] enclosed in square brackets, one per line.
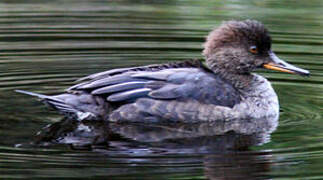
[119, 87]
[128, 95]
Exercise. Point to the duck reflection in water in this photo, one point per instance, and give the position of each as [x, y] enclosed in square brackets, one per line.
[222, 150]
[209, 136]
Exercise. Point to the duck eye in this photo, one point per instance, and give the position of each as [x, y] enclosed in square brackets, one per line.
[253, 49]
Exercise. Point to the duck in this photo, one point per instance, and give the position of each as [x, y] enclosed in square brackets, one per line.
[221, 88]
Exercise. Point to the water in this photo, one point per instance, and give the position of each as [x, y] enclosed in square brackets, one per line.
[46, 45]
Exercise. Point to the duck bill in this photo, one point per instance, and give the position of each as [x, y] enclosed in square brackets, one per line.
[280, 65]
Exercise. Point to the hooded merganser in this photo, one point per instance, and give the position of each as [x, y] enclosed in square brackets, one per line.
[224, 89]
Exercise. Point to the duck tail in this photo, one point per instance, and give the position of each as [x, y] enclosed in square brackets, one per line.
[52, 101]
[41, 96]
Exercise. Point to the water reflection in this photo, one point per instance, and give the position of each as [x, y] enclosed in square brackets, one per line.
[220, 135]
[237, 166]
[222, 148]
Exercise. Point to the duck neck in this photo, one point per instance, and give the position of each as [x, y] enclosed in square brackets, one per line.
[239, 81]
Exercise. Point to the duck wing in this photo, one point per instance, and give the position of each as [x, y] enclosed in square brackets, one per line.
[172, 95]
[166, 84]
[101, 76]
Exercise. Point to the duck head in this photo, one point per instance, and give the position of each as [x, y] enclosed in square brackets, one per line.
[239, 47]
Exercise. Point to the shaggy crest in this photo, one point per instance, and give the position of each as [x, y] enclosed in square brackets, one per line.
[235, 33]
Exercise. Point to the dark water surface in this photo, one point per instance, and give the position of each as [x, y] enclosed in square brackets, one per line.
[46, 45]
